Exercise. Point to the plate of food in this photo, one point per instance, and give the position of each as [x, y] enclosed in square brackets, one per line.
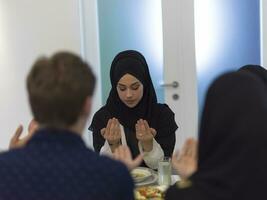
[148, 181]
[149, 192]
[140, 174]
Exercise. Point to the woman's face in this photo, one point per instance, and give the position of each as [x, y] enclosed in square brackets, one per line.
[130, 90]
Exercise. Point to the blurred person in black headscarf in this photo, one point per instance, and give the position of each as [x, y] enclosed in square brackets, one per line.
[256, 70]
[232, 143]
[131, 115]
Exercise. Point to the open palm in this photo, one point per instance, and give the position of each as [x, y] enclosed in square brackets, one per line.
[185, 163]
[123, 154]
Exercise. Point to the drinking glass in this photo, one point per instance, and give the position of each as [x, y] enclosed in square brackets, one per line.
[164, 171]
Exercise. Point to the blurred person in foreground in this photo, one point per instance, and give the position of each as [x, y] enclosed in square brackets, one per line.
[232, 143]
[55, 163]
[257, 70]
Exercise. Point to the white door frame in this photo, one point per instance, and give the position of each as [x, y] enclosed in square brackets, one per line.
[180, 65]
[89, 33]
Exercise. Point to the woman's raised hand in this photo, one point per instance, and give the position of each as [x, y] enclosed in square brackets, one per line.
[112, 132]
[185, 163]
[123, 154]
[145, 134]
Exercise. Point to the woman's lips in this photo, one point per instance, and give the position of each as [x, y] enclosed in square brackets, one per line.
[130, 102]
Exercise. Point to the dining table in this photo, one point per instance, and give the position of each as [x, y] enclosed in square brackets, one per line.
[150, 189]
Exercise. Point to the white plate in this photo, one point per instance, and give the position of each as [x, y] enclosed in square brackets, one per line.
[149, 181]
[140, 174]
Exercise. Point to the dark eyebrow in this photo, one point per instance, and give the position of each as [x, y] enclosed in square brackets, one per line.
[119, 84]
[135, 83]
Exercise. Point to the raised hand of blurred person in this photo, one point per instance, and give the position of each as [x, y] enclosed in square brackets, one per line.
[145, 134]
[32, 127]
[16, 141]
[185, 162]
[123, 154]
[112, 133]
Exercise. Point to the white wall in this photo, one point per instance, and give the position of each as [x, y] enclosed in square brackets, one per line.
[29, 28]
[90, 51]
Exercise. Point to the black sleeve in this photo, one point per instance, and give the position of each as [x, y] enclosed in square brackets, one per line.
[166, 131]
[167, 144]
[98, 140]
[98, 122]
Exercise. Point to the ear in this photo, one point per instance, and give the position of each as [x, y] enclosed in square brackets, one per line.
[87, 106]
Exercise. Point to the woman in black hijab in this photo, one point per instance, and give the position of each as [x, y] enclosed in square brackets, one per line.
[132, 115]
[232, 143]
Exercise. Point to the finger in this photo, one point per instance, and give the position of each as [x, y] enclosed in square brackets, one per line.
[137, 161]
[141, 129]
[153, 132]
[116, 154]
[187, 150]
[118, 130]
[102, 131]
[18, 133]
[176, 160]
[146, 125]
[194, 148]
[107, 132]
[127, 152]
[147, 128]
[112, 126]
[142, 125]
[184, 149]
[116, 121]
[138, 124]
[176, 154]
[121, 152]
[137, 130]
[14, 142]
[189, 147]
[33, 126]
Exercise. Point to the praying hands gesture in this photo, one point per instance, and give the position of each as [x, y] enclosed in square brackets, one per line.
[185, 163]
[145, 134]
[112, 133]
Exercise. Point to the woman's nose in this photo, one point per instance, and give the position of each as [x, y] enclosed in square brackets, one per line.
[129, 93]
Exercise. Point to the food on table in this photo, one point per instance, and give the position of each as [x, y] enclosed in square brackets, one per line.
[140, 174]
[149, 192]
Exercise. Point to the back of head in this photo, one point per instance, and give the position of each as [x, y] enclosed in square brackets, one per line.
[58, 87]
[233, 137]
[256, 70]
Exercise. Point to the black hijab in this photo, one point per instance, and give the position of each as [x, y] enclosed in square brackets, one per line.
[232, 142]
[159, 116]
[256, 70]
[131, 62]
